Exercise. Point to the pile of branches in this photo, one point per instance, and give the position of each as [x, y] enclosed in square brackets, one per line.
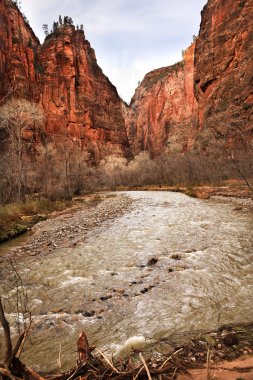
[94, 366]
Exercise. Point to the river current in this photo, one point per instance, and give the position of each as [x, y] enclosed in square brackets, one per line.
[201, 280]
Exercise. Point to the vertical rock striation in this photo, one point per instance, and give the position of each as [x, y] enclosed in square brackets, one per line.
[182, 107]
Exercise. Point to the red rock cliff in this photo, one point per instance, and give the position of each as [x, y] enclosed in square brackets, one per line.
[181, 107]
[175, 108]
[224, 68]
[163, 110]
[18, 53]
[78, 99]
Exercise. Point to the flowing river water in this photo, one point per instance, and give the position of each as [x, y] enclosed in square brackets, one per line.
[202, 279]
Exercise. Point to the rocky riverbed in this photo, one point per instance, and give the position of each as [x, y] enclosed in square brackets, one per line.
[146, 266]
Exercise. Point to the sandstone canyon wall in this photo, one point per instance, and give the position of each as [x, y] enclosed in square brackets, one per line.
[18, 54]
[63, 76]
[175, 109]
[164, 112]
[180, 108]
[224, 71]
[79, 99]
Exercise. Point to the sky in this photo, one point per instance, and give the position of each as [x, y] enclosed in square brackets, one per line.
[130, 37]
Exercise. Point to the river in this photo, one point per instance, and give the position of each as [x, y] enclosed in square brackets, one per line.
[202, 278]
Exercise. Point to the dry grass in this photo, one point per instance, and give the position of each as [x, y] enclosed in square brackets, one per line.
[16, 218]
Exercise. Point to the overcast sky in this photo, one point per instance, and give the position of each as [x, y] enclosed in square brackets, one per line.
[130, 37]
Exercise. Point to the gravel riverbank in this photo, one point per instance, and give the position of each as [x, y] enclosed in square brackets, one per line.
[70, 227]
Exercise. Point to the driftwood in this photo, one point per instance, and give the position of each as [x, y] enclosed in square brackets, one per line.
[83, 348]
[89, 366]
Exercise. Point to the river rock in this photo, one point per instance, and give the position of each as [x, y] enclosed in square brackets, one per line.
[152, 261]
[176, 257]
[231, 339]
[105, 298]
[88, 314]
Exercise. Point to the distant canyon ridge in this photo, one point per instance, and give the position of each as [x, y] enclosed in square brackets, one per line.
[180, 108]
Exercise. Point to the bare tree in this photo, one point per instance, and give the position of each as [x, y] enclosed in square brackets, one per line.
[19, 118]
[243, 137]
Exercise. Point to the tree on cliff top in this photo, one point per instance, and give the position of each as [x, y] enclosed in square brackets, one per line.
[57, 25]
[67, 20]
[45, 29]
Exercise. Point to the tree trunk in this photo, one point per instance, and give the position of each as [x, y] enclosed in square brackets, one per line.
[7, 333]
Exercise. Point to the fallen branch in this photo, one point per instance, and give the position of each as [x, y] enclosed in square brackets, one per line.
[145, 365]
[137, 375]
[34, 375]
[6, 373]
[169, 358]
[16, 348]
[24, 339]
[107, 361]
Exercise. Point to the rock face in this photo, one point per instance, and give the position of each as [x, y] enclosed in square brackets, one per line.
[223, 70]
[78, 98]
[18, 54]
[62, 75]
[163, 111]
[180, 108]
[175, 109]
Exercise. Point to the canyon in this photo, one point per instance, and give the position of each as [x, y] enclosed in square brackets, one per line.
[151, 265]
[176, 109]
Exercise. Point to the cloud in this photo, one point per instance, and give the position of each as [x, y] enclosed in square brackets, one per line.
[130, 37]
[126, 77]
